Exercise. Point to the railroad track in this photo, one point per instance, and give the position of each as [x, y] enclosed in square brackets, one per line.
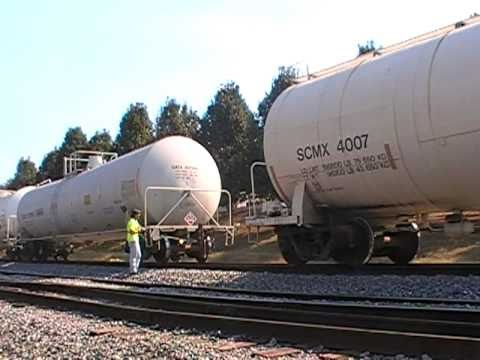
[329, 269]
[225, 291]
[443, 333]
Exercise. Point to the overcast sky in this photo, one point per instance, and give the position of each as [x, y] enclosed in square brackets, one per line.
[81, 63]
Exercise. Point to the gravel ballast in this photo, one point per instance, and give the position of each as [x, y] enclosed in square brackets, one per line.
[28, 332]
[438, 286]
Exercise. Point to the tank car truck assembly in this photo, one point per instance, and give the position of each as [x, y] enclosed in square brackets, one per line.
[174, 181]
[362, 153]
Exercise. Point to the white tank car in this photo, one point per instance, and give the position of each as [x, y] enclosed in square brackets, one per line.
[393, 133]
[96, 199]
[9, 201]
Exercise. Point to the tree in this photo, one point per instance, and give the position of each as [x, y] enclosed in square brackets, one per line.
[136, 129]
[285, 78]
[101, 141]
[227, 130]
[369, 46]
[176, 119]
[51, 166]
[75, 139]
[26, 174]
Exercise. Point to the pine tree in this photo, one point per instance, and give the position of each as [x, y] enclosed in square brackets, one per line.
[227, 130]
[176, 119]
[285, 78]
[136, 129]
[26, 174]
[101, 141]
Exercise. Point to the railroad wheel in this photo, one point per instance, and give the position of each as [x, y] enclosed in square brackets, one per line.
[12, 254]
[288, 243]
[41, 250]
[146, 254]
[204, 251]
[353, 243]
[406, 247]
[26, 252]
[202, 259]
[164, 251]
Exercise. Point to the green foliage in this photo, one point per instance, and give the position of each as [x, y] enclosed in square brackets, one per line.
[52, 166]
[26, 175]
[176, 119]
[285, 78]
[101, 141]
[369, 46]
[136, 129]
[227, 132]
[75, 139]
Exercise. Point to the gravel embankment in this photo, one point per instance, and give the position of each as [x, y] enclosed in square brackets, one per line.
[439, 286]
[27, 332]
[188, 291]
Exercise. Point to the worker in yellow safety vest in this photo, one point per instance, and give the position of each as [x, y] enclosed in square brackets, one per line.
[133, 230]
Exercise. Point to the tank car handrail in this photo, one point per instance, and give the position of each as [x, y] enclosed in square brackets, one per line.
[388, 49]
[70, 162]
[188, 191]
[93, 152]
[252, 180]
[9, 230]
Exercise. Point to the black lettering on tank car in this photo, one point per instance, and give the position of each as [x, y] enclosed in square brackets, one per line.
[312, 151]
[308, 152]
[300, 155]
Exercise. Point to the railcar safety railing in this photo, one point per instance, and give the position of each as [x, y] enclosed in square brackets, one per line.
[190, 193]
[251, 203]
[11, 233]
[79, 160]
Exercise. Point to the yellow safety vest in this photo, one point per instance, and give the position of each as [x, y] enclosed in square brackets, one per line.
[133, 229]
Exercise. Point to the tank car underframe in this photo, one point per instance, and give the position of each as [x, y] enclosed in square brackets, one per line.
[308, 233]
[192, 240]
[39, 249]
[352, 242]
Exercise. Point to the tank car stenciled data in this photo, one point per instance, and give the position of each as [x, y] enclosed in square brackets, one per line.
[364, 151]
[175, 181]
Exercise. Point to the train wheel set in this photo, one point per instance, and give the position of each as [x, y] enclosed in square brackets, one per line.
[40, 250]
[352, 244]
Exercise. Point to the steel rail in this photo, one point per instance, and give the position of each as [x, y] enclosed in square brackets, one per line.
[328, 269]
[441, 333]
[225, 291]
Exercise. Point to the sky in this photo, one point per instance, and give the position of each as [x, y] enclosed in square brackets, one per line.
[81, 63]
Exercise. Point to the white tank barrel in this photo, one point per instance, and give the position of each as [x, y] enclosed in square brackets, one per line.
[9, 201]
[397, 133]
[96, 200]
